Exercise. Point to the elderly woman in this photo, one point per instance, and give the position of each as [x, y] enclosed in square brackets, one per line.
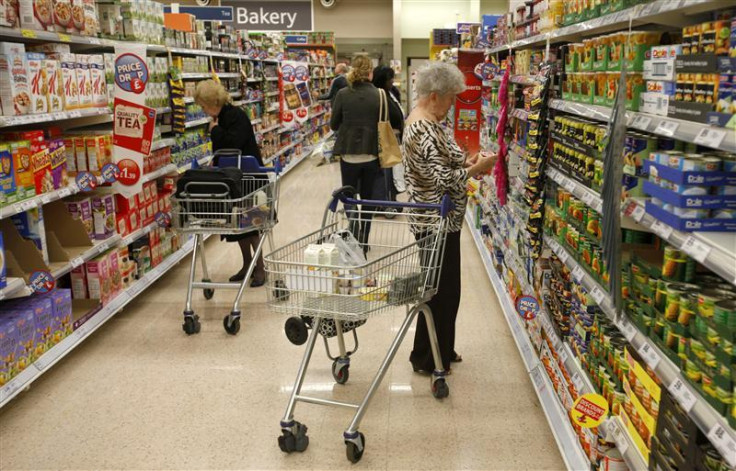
[230, 128]
[436, 166]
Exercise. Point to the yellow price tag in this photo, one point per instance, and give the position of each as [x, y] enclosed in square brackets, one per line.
[65, 38]
[589, 410]
[28, 33]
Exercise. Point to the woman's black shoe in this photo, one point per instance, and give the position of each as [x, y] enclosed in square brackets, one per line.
[239, 276]
[256, 283]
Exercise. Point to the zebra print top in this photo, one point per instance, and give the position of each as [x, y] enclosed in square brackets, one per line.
[434, 167]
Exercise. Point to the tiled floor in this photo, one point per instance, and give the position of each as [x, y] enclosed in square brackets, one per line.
[140, 394]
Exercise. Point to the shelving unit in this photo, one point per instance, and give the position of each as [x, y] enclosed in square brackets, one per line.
[8, 121]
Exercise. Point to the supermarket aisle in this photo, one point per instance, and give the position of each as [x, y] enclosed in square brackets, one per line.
[139, 394]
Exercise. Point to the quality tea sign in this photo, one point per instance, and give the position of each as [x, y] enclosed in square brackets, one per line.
[133, 126]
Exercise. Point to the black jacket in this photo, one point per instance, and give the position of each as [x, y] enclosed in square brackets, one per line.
[355, 117]
[234, 131]
[338, 84]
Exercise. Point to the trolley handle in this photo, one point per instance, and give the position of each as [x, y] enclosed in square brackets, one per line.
[235, 158]
[346, 193]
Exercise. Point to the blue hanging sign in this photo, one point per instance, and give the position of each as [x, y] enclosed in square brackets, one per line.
[527, 307]
[41, 281]
[296, 39]
[86, 181]
[110, 172]
[163, 219]
[131, 73]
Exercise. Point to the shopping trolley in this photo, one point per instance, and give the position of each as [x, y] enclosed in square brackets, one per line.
[204, 206]
[403, 269]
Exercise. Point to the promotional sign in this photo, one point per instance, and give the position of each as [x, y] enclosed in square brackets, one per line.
[589, 410]
[488, 22]
[110, 172]
[206, 13]
[268, 15]
[133, 121]
[296, 97]
[468, 103]
[464, 28]
[133, 126]
[527, 307]
[86, 181]
[41, 281]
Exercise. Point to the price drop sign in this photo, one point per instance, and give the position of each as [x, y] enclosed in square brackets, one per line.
[527, 307]
[589, 410]
[133, 122]
[41, 281]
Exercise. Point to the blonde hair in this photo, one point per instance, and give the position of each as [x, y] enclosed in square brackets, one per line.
[211, 93]
[362, 66]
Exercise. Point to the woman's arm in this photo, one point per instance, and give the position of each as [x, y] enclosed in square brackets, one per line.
[394, 114]
[232, 132]
[336, 119]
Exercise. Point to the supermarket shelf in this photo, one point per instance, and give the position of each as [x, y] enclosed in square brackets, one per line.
[272, 128]
[269, 94]
[197, 122]
[295, 162]
[253, 80]
[188, 99]
[83, 255]
[60, 350]
[163, 110]
[527, 79]
[688, 131]
[706, 418]
[282, 150]
[193, 75]
[228, 74]
[557, 417]
[582, 192]
[715, 250]
[201, 162]
[271, 79]
[161, 143]
[14, 288]
[617, 431]
[235, 94]
[8, 121]
[255, 100]
[669, 12]
[318, 114]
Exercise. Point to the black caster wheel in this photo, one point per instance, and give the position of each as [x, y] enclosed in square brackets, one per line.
[280, 293]
[296, 330]
[290, 441]
[191, 324]
[352, 451]
[208, 292]
[440, 389]
[340, 371]
[232, 327]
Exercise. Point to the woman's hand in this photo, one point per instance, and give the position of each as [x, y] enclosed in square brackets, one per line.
[213, 123]
[484, 163]
[471, 160]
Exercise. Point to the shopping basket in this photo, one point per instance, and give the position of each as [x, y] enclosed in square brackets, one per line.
[326, 278]
[236, 200]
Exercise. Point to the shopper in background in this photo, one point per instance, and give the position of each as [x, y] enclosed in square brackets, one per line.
[383, 77]
[338, 83]
[231, 129]
[355, 118]
[436, 166]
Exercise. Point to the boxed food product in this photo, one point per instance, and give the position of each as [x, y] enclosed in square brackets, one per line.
[70, 153]
[7, 176]
[54, 90]
[3, 265]
[125, 204]
[57, 156]
[97, 76]
[24, 184]
[37, 15]
[91, 24]
[25, 325]
[63, 16]
[84, 81]
[77, 16]
[11, 17]
[38, 82]
[31, 227]
[103, 215]
[97, 153]
[79, 282]
[98, 278]
[80, 151]
[81, 208]
[14, 90]
[116, 280]
[41, 164]
[8, 348]
[62, 320]
[69, 83]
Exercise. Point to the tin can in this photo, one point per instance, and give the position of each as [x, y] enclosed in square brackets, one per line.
[711, 163]
[724, 313]
[724, 213]
[685, 162]
[660, 296]
[727, 190]
[675, 265]
[729, 164]
[691, 213]
[688, 307]
[708, 298]
[692, 371]
[708, 38]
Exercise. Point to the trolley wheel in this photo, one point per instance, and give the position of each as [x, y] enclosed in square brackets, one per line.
[353, 451]
[208, 292]
[191, 324]
[340, 371]
[231, 327]
[296, 330]
[280, 293]
[289, 441]
[440, 388]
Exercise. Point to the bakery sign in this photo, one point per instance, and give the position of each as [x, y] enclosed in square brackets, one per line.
[271, 15]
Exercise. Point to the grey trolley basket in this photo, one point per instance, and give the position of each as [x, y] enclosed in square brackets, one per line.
[404, 260]
[209, 208]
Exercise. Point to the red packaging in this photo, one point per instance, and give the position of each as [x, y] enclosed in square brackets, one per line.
[123, 224]
[41, 165]
[124, 204]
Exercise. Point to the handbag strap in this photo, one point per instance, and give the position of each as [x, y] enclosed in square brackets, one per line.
[383, 106]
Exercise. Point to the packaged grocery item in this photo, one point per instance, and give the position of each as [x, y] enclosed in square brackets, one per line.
[96, 67]
[81, 208]
[91, 24]
[70, 86]
[116, 278]
[84, 81]
[11, 17]
[41, 163]
[37, 82]
[97, 153]
[80, 154]
[77, 24]
[30, 226]
[24, 183]
[661, 86]
[63, 16]
[7, 176]
[25, 325]
[8, 349]
[15, 93]
[3, 265]
[103, 215]
[37, 14]
[98, 278]
[54, 90]
[79, 282]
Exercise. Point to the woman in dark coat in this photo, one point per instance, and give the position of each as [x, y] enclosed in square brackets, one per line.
[383, 77]
[231, 129]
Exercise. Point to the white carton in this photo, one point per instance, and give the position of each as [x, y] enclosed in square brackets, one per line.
[84, 81]
[96, 65]
[330, 255]
[54, 90]
[37, 15]
[312, 255]
[15, 92]
[38, 82]
[69, 81]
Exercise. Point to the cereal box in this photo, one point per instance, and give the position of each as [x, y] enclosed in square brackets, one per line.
[79, 282]
[41, 164]
[63, 16]
[84, 81]
[62, 320]
[25, 328]
[12, 12]
[70, 87]
[37, 82]
[54, 89]
[98, 279]
[24, 184]
[37, 14]
[7, 176]
[103, 216]
[77, 16]
[80, 150]
[43, 319]
[97, 154]
[81, 208]
[97, 76]
[91, 24]
[70, 154]
[8, 348]
[3, 267]
[57, 156]
[31, 227]
[14, 89]
[116, 279]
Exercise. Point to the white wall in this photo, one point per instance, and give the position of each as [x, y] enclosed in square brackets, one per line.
[420, 17]
[356, 19]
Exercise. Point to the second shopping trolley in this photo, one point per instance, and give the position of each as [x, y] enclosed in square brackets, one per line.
[235, 199]
[354, 267]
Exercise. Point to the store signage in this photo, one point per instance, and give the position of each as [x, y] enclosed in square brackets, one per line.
[296, 98]
[163, 219]
[296, 39]
[133, 121]
[269, 15]
[463, 28]
[527, 307]
[468, 104]
[589, 410]
[133, 126]
[85, 181]
[110, 172]
[41, 281]
[206, 13]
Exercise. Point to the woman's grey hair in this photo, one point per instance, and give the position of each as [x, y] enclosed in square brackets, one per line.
[440, 78]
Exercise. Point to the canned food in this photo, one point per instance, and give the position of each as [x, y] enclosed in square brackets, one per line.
[708, 298]
[685, 162]
[729, 164]
[660, 295]
[691, 213]
[724, 313]
[712, 164]
[688, 308]
[726, 190]
[687, 190]
[724, 213]
[692, 371]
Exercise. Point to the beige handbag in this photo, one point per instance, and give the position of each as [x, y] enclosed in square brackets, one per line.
[389, 152]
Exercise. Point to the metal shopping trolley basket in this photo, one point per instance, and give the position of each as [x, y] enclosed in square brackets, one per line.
[324, 277]
[242, 197]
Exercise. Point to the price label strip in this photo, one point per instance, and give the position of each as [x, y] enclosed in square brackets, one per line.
[682, 393]
[628, 329]
[578, 273]
[563, 356]
[710, 137]
[696, 249]
[723, 441]
[662, 229]
[588, 198]
[641, 122]
[619, 437]
[577, 381]
[598, 295]
[650, 356]
[667, 128]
